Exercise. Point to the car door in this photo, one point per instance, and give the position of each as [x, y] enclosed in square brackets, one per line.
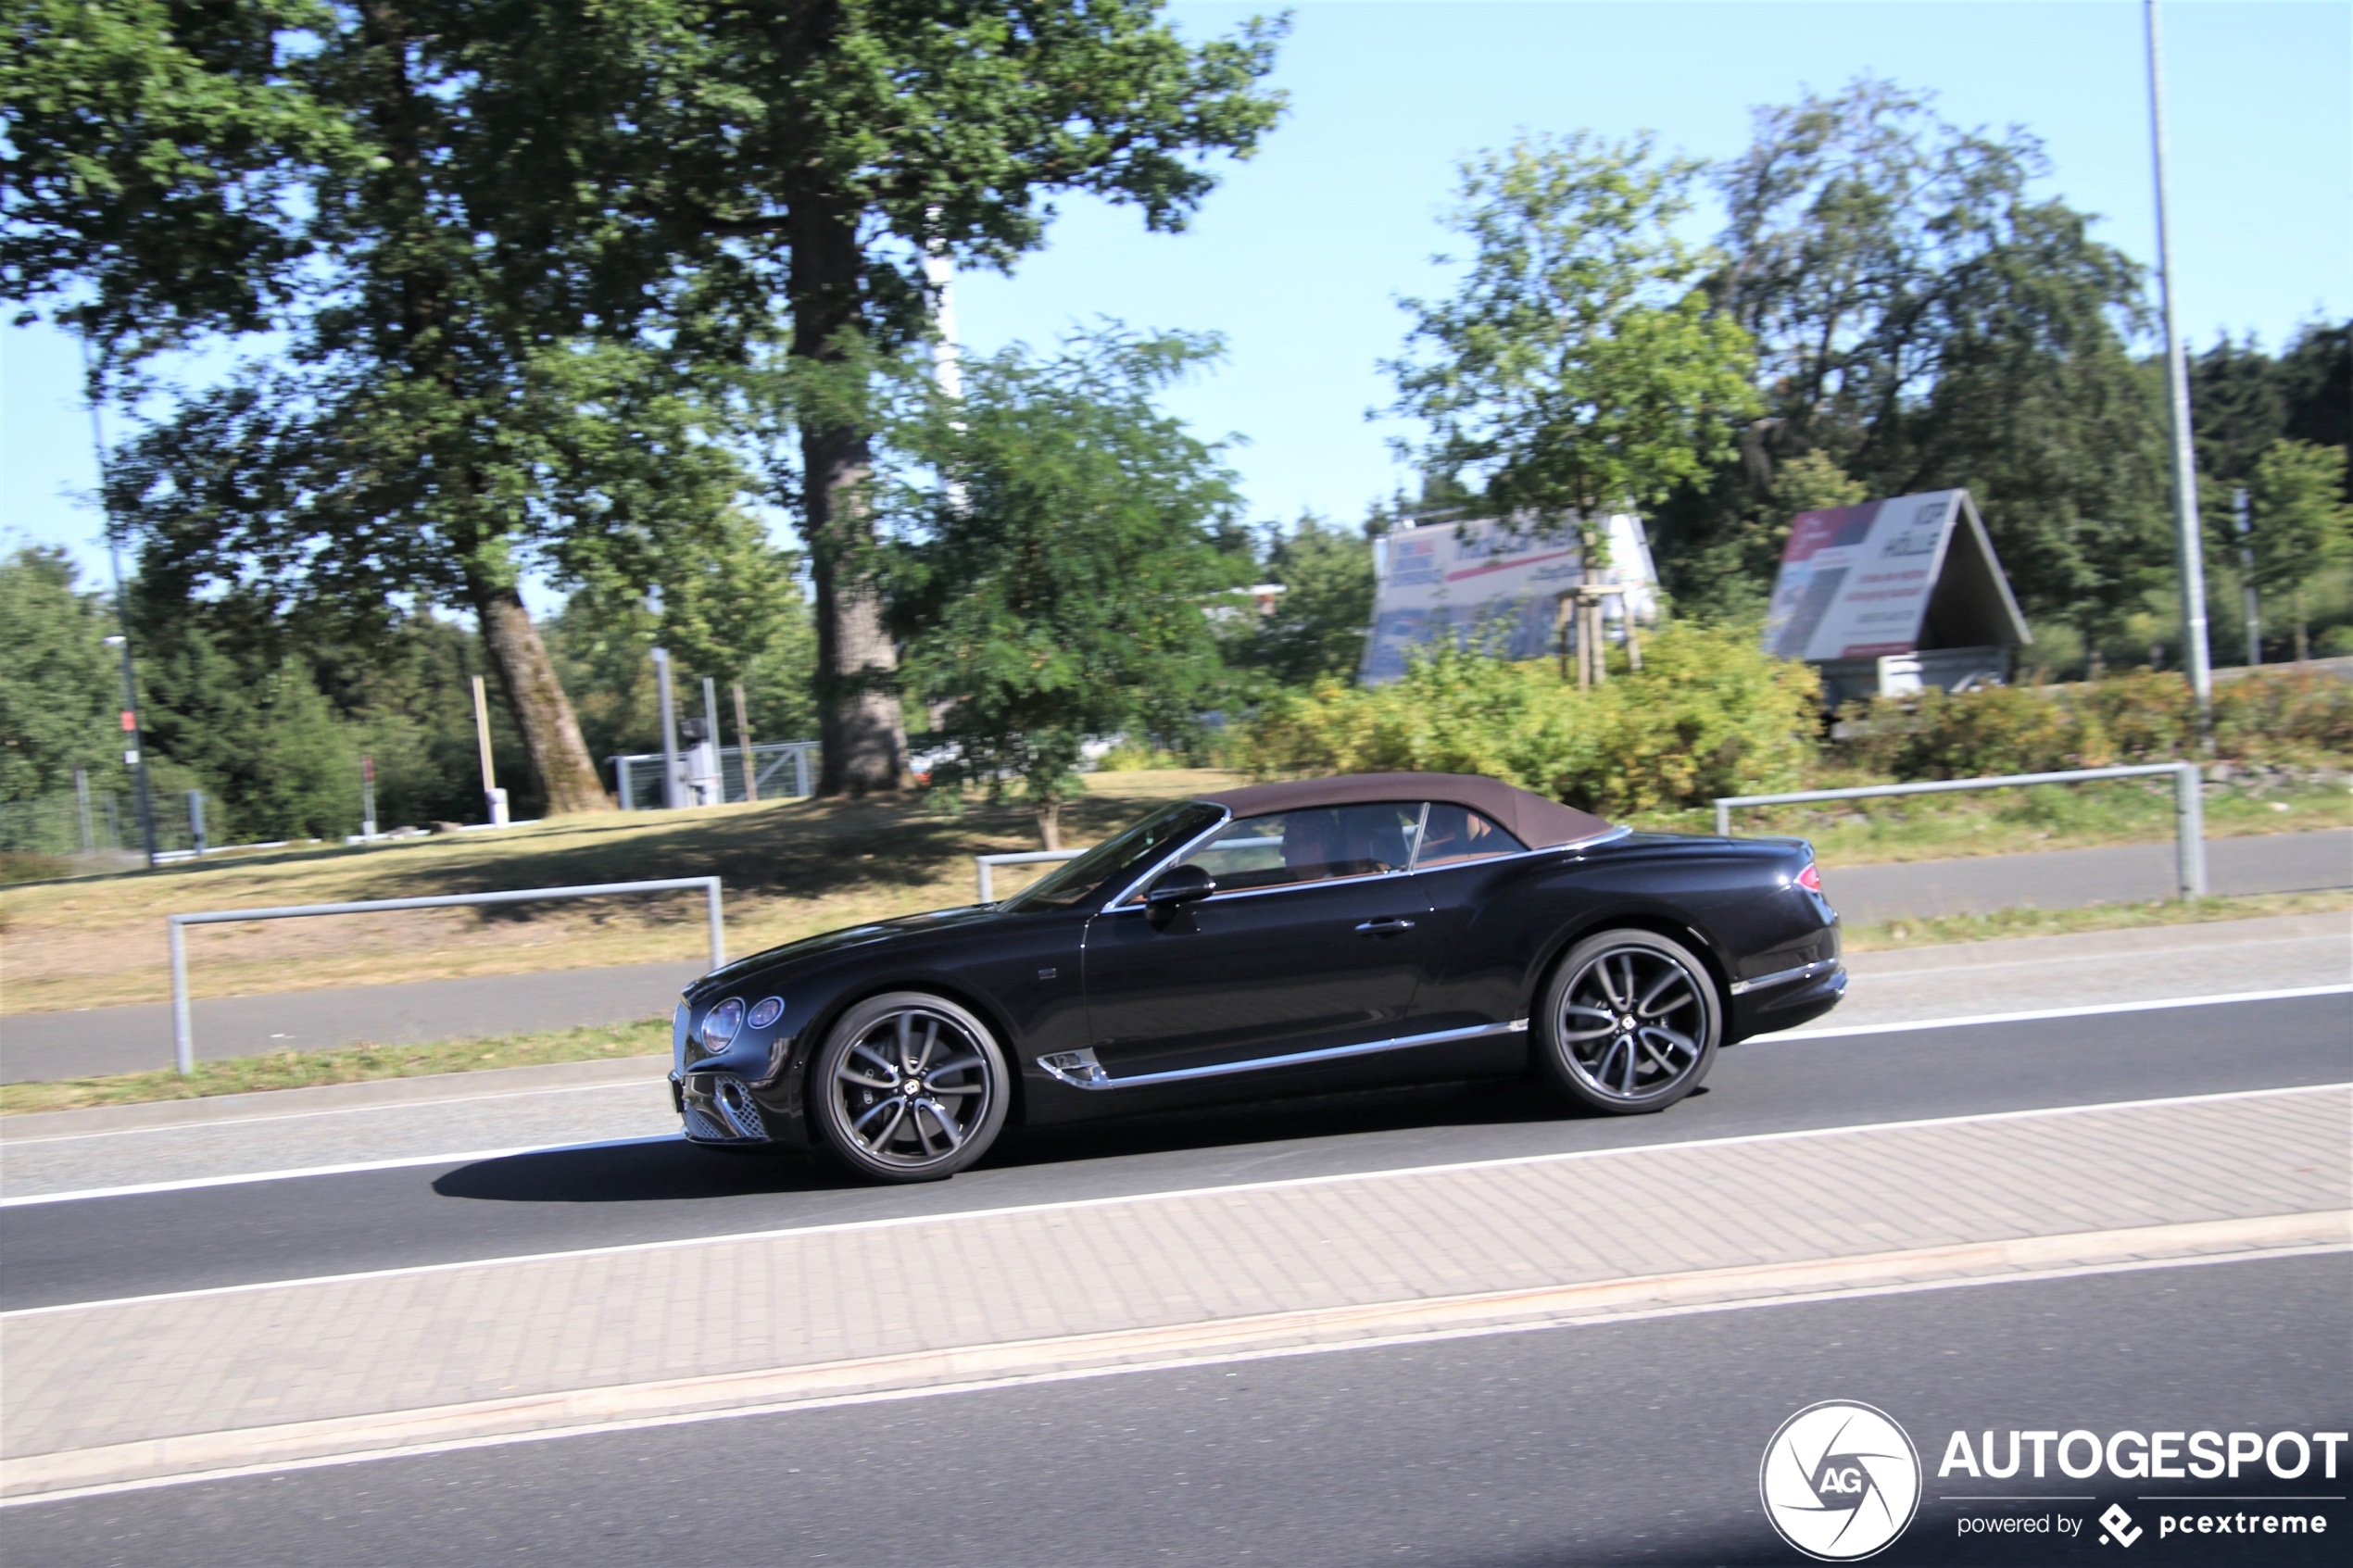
[1314, 939]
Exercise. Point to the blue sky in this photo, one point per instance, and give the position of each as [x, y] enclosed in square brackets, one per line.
[1299, 257]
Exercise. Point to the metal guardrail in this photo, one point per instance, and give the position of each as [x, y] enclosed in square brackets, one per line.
[2189, 804]
[986, 864]
[184, 1037]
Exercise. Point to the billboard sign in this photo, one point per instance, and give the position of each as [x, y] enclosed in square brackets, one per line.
[1494, 582]
[1858, 581]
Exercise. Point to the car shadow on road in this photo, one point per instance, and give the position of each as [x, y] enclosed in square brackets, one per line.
[672, 1170]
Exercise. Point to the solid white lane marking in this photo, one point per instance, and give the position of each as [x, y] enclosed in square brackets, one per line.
[1177, 1363]
[2037, 1014]
[192, 1183]
[405, 1162]
[900, 1222]
[22, 1142]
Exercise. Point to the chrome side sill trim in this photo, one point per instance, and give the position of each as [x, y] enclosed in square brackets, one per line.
[1803, 971]
[1081, 1070]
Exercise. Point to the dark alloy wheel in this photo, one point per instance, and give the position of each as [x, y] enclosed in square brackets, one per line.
[909, 1087]
[1629, 1023]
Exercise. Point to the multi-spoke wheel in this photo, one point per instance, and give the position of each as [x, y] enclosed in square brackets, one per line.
[1629, 1021]
[909, 1087]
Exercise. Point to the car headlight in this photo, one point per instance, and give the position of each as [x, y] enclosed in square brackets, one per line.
[722, 1023]
[765, 1011]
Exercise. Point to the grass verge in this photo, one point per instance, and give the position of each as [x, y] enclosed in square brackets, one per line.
[2091, 917]
[353, 1064]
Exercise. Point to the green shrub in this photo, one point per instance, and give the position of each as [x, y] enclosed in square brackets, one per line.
[1709, 715]
[2144, 716]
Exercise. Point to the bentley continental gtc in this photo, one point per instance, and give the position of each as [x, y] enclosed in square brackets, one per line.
[1273, 940]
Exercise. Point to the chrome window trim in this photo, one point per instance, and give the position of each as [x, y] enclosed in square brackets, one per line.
[1782, 977]
[1080, 1071]
[1174, 855]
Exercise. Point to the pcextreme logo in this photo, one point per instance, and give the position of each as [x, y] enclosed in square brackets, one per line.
[1840, 1480]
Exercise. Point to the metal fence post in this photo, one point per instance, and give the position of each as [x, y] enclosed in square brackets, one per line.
[987, 882]
[717, 931]
[800, 770]
[183, 1030]
[1723, 821]
[2189, 812]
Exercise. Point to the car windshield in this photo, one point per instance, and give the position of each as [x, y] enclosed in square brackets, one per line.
[1074, 882]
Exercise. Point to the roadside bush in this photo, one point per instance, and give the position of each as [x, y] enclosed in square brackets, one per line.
[2144, 716]
[1709, 715]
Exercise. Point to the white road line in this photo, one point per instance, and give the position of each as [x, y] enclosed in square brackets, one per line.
[1177, 1363]
[653, 1082]
[2039, 1013]
[357, 1167]
[1065, 1206]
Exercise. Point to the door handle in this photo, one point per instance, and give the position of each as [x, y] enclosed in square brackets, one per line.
[1388, 925]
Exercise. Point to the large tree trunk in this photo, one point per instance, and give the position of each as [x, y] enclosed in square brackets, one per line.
[550, 731]
[863, 736]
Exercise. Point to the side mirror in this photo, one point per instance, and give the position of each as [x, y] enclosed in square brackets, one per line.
[1179, 886]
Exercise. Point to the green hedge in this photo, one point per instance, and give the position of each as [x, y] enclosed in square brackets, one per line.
[1709, 715]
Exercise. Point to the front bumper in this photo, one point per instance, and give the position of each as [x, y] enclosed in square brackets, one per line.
[720, 1109]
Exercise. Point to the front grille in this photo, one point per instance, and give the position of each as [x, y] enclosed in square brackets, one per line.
[735, 1104]
[702, 1128]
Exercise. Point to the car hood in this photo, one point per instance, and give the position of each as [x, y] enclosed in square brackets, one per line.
[906, 928]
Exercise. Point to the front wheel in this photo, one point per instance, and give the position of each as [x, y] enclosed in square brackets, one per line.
[909, 1087]
[1629, 1023]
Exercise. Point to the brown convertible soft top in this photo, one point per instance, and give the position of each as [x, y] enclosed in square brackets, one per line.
[1534, 820]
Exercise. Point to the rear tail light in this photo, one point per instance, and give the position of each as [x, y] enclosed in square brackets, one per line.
[1810, 878]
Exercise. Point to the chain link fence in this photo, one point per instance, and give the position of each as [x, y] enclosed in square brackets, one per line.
[100, 827]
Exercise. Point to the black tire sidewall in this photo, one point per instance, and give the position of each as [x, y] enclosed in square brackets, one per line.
[1553, 1054]
[824, 1106]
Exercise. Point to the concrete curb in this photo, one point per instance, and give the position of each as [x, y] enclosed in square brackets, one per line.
[424, 1090]
[2076, 946]
[217, 1455]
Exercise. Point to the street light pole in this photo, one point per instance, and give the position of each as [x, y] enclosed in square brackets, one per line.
[2177, 376]
[135, 753]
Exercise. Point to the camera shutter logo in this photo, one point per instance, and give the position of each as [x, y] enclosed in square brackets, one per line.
[1839, 1480]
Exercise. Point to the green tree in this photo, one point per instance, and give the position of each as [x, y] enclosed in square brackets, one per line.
[2303, 527]
[817, 157]
[1055, 552]
[480, 373]
[60, 687]
[1928, 321]
[1318, 626]
[1578, 367]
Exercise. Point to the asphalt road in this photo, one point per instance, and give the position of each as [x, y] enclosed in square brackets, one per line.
[36, 1047]
[1633, 1442]
[100, 1249]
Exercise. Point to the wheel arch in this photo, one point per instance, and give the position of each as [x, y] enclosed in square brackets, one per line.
[1658, 924]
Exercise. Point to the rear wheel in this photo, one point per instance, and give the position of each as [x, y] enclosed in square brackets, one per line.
[1629, 1023]
[909, 1087]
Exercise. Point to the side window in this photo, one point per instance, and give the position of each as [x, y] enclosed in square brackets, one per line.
[1455, 836]
[1317, 846]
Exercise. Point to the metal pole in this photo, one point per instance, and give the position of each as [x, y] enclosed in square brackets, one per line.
[81, 800]
[710, 728]
[183, 1030]
[2189, 815]
[2187, 548]
[800, 770]
[195, 822]
[743, 748]
[2247, 574]
[717, 931]
[134, 756]
[367, 800]
[987, 882]
[669, 730]
[1723, 820]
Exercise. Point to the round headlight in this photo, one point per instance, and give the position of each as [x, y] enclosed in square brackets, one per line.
[765, 1011]
[722, 1023]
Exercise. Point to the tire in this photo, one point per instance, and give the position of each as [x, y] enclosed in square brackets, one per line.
[886, 1105]
[1629, 1023]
